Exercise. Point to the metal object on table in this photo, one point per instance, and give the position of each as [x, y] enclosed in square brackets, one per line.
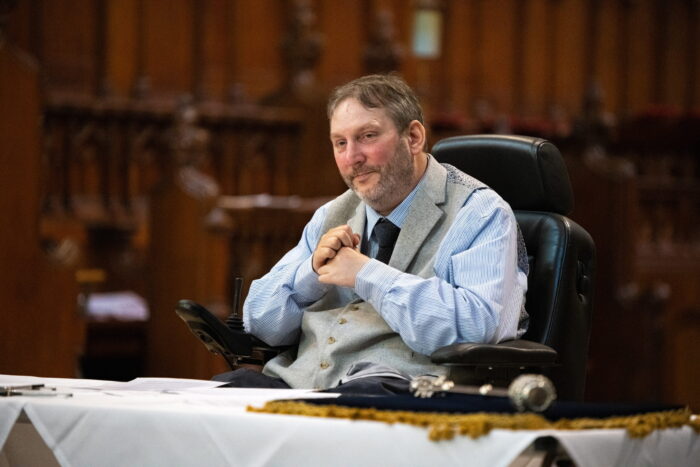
[528, 392]
[31, 390]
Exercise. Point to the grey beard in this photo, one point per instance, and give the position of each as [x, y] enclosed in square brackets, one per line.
[395, 178]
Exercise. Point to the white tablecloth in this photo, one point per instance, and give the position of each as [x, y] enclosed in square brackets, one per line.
[211, 427]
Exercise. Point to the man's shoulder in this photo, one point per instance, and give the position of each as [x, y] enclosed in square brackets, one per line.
[462, 179]
[474, 192]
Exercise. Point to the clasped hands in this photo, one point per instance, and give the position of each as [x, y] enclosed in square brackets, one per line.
[337, 258]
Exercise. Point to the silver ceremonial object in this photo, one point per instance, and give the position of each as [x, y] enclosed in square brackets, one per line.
[528, 392]
[532, 392]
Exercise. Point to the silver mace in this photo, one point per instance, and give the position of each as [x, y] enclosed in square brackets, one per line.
[528, 392]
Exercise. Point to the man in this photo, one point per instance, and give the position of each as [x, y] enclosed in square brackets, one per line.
[454, 275]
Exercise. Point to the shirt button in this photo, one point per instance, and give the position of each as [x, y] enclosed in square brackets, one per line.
[342, 321]
[331, 340]
[324, 365]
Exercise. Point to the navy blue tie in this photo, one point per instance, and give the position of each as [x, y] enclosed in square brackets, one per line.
[386, 234]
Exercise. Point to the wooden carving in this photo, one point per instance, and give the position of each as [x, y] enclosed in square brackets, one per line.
[383, 53]
[301, 46]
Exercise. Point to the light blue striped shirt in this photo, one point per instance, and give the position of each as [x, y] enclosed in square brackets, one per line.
[476, 295]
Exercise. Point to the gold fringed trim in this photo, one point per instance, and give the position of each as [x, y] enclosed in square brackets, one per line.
[442, 426]
[638, 426]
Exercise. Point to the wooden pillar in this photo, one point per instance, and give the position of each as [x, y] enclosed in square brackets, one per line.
[658, 55]
[691, 53]
[179, 254]
[41, 332]
[101, 83]
[198, 64]
[141, 85]
[551, 22]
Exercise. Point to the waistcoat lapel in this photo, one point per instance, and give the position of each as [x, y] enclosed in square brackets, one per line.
[422, 217]
[358, 220]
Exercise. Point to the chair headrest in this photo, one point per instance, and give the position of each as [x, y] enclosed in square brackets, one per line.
[529, 173]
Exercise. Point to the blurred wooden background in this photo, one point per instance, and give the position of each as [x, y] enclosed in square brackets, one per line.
[137, 136]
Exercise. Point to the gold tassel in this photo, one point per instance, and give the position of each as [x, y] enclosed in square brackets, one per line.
[443, 426]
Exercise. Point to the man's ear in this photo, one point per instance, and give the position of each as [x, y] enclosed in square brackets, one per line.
[416, 137]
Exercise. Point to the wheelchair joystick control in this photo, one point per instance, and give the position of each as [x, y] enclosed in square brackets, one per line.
[234, 322]
[226, 338]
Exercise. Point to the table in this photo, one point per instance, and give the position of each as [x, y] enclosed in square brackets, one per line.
[202, 426]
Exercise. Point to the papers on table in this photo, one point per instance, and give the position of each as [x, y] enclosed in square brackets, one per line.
[188, 391]
[243, 397]
[160, 384]
[205, 392]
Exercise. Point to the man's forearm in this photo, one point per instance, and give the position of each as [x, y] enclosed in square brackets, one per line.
[275, 302]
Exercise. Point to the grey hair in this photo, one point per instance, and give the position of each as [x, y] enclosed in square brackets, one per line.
[389, 92]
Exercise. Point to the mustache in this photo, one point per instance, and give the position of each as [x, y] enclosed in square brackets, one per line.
[362, 170]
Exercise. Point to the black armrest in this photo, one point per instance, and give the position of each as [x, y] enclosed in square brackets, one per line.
[213, 333]
[514, 353]
[236, 346]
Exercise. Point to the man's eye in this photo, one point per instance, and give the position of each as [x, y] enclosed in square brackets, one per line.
[368, 136]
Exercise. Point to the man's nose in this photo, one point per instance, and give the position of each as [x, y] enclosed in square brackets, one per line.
[353, 153]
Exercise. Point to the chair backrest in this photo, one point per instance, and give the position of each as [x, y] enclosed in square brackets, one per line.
[530, 174]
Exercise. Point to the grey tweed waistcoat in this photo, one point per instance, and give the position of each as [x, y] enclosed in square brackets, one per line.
[341, 329]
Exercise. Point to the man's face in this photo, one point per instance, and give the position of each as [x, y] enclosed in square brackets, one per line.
[372, 157]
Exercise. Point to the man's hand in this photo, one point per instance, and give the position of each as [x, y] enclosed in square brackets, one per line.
[343, 268]
[331, 242]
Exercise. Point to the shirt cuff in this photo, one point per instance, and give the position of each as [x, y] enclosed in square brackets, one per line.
[374, 280]
[306, 284]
